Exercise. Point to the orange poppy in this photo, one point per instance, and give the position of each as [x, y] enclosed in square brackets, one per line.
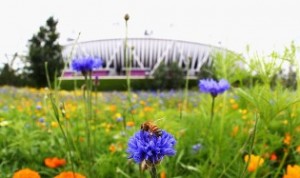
[54, 162]
[26, 173]
[69, 174]
[292, 172]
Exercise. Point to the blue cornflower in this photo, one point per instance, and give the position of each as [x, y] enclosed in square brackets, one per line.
[41, 120]
[120, 119]
[196, 147]
[87, 64]
[144, 146]
[213, 87]
[38, 107]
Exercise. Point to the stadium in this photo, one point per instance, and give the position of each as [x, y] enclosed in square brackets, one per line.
[145, 55]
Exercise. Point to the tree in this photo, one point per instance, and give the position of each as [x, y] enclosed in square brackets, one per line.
[44, 48]
[13, 76]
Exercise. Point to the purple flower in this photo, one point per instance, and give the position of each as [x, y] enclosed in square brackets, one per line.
[213, 87]
[41, 120]
[87, 64]
[38, 107]
[196, 147]
[144, 146]
[120, 119]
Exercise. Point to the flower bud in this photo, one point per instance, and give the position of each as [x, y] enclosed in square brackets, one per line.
[126, 17]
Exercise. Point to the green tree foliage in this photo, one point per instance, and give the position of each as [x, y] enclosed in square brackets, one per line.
[10, 76]
[7, 76]
[44, 48]
[13, 76]
[169, 76]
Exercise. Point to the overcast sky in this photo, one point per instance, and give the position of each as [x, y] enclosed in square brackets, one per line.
[263, 24]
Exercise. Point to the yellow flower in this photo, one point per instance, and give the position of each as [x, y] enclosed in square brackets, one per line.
[293, 115]
[148, 109]
[143, 103]
[231, 101]
[244, 111]
[118, 115]
[285, 122]
[298, 149]
[254, 162]
[54, 124]
[292, 172]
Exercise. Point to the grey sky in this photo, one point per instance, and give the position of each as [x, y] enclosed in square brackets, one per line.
[263, 24]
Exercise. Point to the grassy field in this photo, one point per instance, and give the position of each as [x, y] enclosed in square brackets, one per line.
[258, 122]
[251, 130]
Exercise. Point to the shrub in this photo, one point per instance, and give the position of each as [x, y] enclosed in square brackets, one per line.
[168, 76]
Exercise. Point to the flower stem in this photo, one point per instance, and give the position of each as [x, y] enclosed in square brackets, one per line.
[67, 141]
[153, 172]
[88, 107]
[281, 163]
[212, 111]
[252, 134]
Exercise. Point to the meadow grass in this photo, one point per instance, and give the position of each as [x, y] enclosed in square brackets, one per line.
[253, 133]
[29, 132]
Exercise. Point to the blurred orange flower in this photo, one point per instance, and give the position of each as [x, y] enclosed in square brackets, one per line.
[112, 148]
[163, 174]
[148, 109]
[298, 149]
[112, 108]
[69, 174]
[273, 157]
[235, 130]
[254, 162]
[26, 173]
[235, 106]
[287, 139]
[54, 162]
[130, 124]
[292, 172]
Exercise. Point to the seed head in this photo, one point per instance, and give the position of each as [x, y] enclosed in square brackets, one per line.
[126, 17]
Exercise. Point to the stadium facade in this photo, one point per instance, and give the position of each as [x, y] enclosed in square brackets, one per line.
[145, 55]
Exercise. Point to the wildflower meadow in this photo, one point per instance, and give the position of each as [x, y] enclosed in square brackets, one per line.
[244, 122]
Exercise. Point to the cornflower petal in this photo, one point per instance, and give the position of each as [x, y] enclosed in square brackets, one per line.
[86, 64]
[145, 146]
[213, 87]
